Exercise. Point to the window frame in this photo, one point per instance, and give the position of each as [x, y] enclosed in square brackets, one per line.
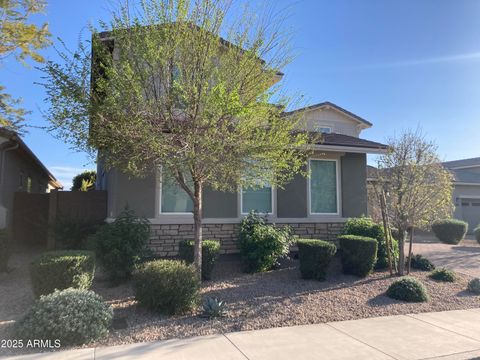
[338, 187]
[160, 212]
[272, 203]
[319, 127]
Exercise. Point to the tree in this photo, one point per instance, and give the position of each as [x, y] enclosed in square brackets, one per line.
[84, 181]
[23, 40]
[418, 187]
[176, 95]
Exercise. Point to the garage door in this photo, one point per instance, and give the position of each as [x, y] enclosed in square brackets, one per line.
[471, 212]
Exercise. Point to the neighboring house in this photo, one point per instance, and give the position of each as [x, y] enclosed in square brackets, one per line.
[466, 194]
[315, 207]
[20, 170]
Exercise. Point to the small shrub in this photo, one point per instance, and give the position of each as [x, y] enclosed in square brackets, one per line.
[408, 289]
[474, 286]
[477, 233]
[72, 233]
[358, 254]
[365, 226]
[166, 286]
[72, 316]
[213, 308]
[4, 251]
[421, 263]
[210, 252]
[450, 231]
[315, 257]
[121, 245]
[442, 274]
[262, 245]
[61, 270]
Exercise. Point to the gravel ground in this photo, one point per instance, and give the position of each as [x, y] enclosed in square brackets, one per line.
[273, 299]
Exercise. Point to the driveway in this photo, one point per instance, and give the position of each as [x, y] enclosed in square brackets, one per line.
[463, 258]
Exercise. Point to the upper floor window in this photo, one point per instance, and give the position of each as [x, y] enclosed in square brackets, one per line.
[324, 129]
[257, 199]
[174, 198]
[29, 184]
[323, 187]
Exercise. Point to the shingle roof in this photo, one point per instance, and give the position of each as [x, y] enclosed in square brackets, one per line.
[328, 103]
[463, 162]
[465, 176]
[350, 141]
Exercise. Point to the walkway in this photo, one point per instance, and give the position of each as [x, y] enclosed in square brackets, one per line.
[444, 335]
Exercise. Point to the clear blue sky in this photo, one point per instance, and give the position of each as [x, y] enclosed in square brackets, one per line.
[398, 63]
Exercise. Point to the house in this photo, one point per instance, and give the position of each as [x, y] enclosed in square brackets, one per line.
[315, 206]
[466, 193]
[20, 170]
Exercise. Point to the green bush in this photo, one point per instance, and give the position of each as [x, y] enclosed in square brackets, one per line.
[210, 252]
[408, 289]
[450, 231]
[474, 286]
[4, 251]
[477, 233]
[167, 286]
[358, 254]
[61, 270]
[72, 316]
[442, 274]
[262, 245]
[120, 246]
[365, 226]
[315, 257]
[421, 263]
[72, 233]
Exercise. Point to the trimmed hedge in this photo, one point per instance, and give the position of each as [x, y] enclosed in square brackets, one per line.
[4, 251]
[442, 274]
[315, 257]
[420, 262]
[61, 270]
[408, 289]
[477, 233]
[359, 254]
[365, 226]
[450, 231]
[167, 286]
[72, 316]
[210, 252]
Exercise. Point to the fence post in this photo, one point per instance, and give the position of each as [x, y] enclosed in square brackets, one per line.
[52, 216]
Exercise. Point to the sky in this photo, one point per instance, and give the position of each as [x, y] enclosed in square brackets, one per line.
[400, 64]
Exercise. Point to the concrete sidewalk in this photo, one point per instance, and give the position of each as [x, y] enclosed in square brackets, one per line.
[443, 335]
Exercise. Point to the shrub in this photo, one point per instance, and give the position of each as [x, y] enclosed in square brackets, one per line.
[315, 257]
[421, 263]
[4, 251]
[450, 231]
[442, 274]
[210, 252]
[358, 254]
[212, 308]
[61, 270]
[72, 316]
[477, 233]
[121, 245]
[365, 226]
[262, 245]
[72, 233]
[474, 286]
[166, 286]
[408, 289]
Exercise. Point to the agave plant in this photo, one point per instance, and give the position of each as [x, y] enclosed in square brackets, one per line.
[212, 308]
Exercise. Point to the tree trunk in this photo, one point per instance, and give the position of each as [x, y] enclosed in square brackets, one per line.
[197, 219]
[401, 248]
[410, 251]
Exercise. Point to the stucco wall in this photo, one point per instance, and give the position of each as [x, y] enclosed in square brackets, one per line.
[340, 123]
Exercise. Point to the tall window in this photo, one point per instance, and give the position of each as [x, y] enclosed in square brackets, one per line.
[258, 199]
[323, 187]
[29, 184]
[174, 199]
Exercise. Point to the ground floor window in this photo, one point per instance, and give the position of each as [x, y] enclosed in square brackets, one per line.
[323, 187]
[259, 199]
[174, 198]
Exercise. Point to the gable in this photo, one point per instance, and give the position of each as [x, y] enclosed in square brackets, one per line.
[338, 121]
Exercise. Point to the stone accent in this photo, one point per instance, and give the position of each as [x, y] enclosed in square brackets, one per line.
[165, 238]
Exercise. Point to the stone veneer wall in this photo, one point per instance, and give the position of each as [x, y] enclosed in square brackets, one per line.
[165, 238]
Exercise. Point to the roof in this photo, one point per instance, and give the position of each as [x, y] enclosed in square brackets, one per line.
[465, 176]
[462, 163]
[328, 104]
[349, 141]
[14, 137]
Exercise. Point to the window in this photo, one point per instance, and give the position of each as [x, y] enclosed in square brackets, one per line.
[258, 199]
[29, 184]
[324, 129]
[323, 187]
[174, 199]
